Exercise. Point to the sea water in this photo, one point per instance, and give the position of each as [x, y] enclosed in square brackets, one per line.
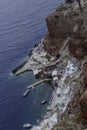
[22, 24]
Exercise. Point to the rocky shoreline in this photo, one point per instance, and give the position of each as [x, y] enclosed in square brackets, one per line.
[62, 55]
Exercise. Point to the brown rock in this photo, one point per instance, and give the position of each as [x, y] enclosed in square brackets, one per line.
[83, 104]
[85, 81]
[85, 74]
[78, 47]
[74, 44]
[80, 53]
[61, 24]
[52, 45]
[78, 43]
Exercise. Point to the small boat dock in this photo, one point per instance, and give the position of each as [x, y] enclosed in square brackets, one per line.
[37, 83]
[34, 85]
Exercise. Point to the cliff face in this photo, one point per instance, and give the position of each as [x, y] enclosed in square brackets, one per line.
[68, 22]
[61, 24]
[78, 42]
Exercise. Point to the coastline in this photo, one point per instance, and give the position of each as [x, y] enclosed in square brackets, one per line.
[66, 68]
[68, 80]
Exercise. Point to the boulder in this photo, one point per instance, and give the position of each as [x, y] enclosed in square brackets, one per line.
[83, 104]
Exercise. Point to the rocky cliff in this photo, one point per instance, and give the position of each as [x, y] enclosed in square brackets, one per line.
[68, 22]
[66, 39]
[62, 24]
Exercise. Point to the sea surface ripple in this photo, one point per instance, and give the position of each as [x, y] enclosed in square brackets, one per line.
[22, 24]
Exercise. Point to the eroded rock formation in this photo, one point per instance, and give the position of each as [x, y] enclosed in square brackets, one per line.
[83, 104]
[59, 28]
[78, 42]
[66, 22]
[61, 24]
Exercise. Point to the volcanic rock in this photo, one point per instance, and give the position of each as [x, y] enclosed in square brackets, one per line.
[61, 24]
[85, 74]
[80, 53]
[83, 104]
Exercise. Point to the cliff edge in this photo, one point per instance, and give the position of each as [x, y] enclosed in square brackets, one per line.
[63, 51]
[67, 21]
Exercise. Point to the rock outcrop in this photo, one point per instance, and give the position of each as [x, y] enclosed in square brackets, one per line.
[61, 24]
[78, 42]
[85, 74]
[67, 30]
[83, 104]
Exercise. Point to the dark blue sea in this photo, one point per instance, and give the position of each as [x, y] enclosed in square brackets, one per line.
[22, 24]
